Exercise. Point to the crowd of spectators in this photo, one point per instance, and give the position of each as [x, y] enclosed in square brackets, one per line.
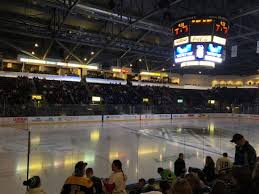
[221, 177]
[18, 92]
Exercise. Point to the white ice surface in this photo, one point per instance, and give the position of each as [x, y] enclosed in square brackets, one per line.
[142, 147]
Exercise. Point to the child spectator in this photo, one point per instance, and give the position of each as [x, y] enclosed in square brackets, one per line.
[166, 175]
[96, 181]
[34, 186]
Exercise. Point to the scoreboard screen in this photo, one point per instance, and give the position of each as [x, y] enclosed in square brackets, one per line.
[198, 40]
[201, 26]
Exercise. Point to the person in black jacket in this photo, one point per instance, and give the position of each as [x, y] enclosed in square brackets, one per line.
[245, 153]
[243, 180]
[97, 183]
[209, 169]
[179, 166]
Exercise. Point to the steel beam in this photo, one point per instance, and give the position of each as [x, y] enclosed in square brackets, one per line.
[63, 46]
[48, 49]
[148, 15]
[85, 10]
[139, 40]
[70, 9]
[246, 13]
[72, 50]
[18, 48]
[243, 35]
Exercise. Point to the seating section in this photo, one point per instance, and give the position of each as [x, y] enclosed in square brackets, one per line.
[19, 90]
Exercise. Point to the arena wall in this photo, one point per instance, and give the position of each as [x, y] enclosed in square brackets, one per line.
[23, 122]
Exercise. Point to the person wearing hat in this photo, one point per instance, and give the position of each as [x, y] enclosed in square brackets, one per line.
[77, 183]
[245, 154]
[34, 186]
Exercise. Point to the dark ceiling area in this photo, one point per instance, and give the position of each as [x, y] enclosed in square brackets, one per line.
[120, 32]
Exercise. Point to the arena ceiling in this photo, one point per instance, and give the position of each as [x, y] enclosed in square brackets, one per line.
[120, 32]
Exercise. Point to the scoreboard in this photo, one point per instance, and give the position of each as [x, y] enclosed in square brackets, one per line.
[200, 41]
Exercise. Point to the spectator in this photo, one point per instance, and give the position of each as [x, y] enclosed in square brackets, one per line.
[205, 190]
[223, 164]
[77, 183]
[242, 180]
[255, 177]
[198, 173]
[166, 175]
[116, 183]
[97, 183]
[179, 166]
[140, 187]
[165, 187]
[150, 186]
[182, 186]
[34, 186]
[245, 153]
[219, 188]
[209, 169]
[194, 182]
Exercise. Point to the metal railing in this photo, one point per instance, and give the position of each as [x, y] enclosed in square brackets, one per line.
[7, 110]
[249, 109]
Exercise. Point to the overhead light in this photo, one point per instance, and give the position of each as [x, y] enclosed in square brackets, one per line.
[199, 72]
[150, 73]
[173, 65]
[36, 44]
[130, 65]
[117, 70]
[140, 60]
[96, 99]
[163, 69]
[85, 59]
[36, 61]
[76, 65]
[92, 53]
[33, 52]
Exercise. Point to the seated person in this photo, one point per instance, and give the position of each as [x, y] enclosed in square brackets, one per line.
[166, 175]
[34, 186]
[77, 183]
[223, 164]
[96, 181]
[150, 186]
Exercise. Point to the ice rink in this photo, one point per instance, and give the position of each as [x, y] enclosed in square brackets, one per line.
[141, 146]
